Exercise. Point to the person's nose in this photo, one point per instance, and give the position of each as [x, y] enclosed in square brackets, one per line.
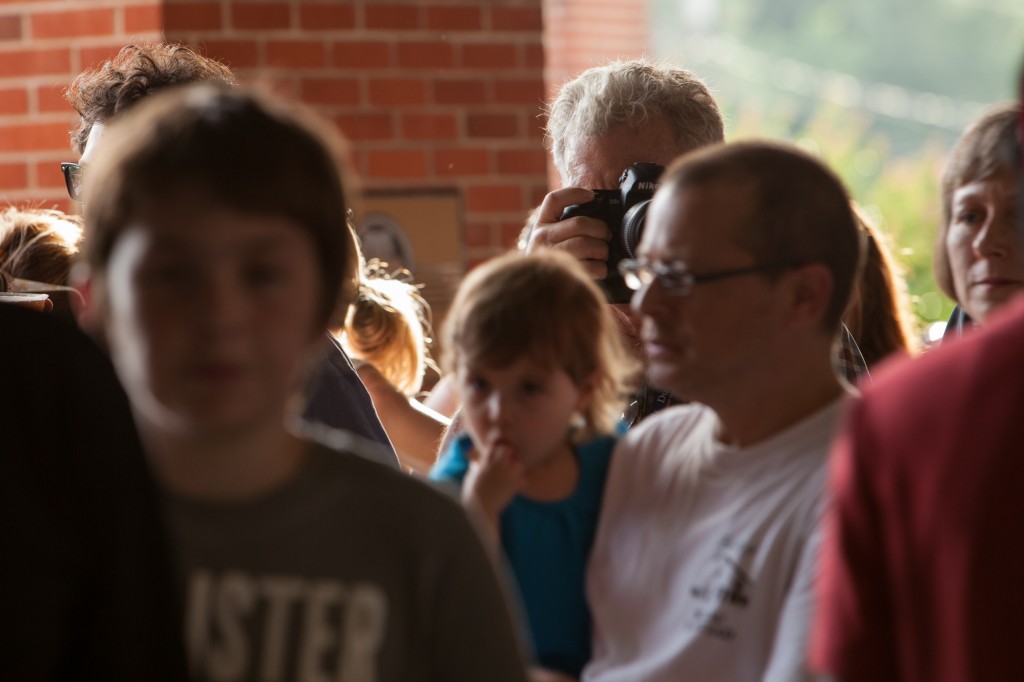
[997, 236]
[648, 299]
[221, 306]
[497, 408]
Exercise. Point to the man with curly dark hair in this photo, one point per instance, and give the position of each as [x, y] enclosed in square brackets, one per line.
[99, 94]
[335, 397]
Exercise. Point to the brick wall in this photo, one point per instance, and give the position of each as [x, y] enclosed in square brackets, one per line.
[579, 34]
[436, 94]
[431, 93]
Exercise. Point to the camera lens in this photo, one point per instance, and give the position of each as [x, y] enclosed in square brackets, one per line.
[633, 227]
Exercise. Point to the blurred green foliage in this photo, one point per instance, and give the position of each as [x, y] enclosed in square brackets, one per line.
[774, 66]
[899, 194]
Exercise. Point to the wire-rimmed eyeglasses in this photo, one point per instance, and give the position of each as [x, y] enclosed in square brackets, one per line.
[676, 279]
[74, 176]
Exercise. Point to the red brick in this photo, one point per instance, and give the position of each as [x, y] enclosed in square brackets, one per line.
[535, 127]
[430, 55]
[365, 126]
[10, 27]
[479, 234]
[397, 91]
[522, 161]
[396, 163]
[494, 198]
[492, 125]
[238, 54]
[51, 99]
[533, 55]
[332, 17]
[519, 91]
[259, 16]
[35, 62]
[63, 203]
[430, 126]
[192, 16]
[474, 261]
[13, 176]
[13, 101]
[330, 91]
[48, 175]
[34, 137]
[73, 24]
[454, 18]
[536, 195]
[362, 55]
[456, 162]
[358, 161]
[516, 18]
[282, 86]
[143, 19]
[392, 16]
[296, 54]
[94, 56]
[509, 233]
[460, 91]
[482, 56]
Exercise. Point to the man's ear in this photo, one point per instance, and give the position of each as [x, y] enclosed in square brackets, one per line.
[810, 293]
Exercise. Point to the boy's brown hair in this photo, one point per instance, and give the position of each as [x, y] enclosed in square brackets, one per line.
[228, 148]
[542, 306]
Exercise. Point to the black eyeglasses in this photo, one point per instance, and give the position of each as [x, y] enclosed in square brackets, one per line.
[74, 179]
[676, 279]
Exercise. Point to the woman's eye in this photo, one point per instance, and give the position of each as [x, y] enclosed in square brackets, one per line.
[970, 216]
[476, 384]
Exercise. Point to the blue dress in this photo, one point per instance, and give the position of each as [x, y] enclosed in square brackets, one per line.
[547, 545]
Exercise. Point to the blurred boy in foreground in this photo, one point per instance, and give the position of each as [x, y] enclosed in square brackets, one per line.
[216, 250]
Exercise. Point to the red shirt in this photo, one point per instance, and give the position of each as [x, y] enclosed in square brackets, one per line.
[923, 568]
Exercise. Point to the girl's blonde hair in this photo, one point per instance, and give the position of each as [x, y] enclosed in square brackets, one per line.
[41, 245]
[388, 326]
[546, 307]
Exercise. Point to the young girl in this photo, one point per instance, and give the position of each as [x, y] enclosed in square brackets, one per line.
[542, 372]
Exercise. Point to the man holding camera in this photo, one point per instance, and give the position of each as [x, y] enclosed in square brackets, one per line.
[599, 125]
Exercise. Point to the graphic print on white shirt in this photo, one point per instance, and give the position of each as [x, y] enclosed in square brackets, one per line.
[725, 586]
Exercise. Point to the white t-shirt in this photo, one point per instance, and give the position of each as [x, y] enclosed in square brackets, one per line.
[704, 561]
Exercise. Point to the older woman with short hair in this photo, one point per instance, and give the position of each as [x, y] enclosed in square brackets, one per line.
[979, 254]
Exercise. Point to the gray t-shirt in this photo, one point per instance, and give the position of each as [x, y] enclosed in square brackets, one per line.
[351, 572]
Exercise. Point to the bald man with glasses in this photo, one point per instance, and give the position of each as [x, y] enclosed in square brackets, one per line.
[706, 549]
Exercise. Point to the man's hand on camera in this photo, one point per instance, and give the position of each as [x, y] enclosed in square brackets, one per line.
[585, 238]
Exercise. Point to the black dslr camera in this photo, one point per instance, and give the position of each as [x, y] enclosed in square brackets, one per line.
[625, 211]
